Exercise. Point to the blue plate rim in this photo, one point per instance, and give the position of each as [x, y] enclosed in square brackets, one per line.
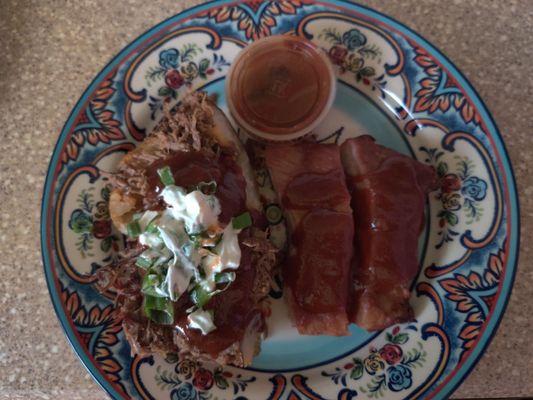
[507, 170]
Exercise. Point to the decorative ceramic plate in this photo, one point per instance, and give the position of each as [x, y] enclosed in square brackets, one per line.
[392, 84]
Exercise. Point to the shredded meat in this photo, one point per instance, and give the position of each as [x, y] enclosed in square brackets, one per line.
[241, 351]
[124, 279]
[264, 257]
[187, 129]
[180, 130]
[145, 337]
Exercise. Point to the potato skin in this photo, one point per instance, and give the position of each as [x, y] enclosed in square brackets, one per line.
[123, 205]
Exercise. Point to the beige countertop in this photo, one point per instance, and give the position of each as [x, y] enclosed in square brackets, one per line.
[51, 49]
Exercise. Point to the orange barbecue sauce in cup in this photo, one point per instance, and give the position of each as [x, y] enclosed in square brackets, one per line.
[280, 88]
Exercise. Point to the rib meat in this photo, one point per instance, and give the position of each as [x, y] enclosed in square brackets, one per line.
[388, 197]
[310, 183]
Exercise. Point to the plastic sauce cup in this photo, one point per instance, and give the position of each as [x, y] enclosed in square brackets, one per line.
[280, 88]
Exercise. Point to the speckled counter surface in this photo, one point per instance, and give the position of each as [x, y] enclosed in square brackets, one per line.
[51, 49]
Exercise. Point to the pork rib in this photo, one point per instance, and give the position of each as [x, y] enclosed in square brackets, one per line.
[311, 187]
[388, 197]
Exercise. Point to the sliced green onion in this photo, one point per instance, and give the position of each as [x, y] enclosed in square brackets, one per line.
[207, 187]
[165, 174]
[152, 291]
[146, 218]
[150, 280]
[143, 263]
[195, 238]
[196, 242]
[163, 260]
[134, 229]
[242, 221]
[152, 227]
[200, 296]
[156, 303]
[150, 254]
[225, 277]
[149, 285]
[159, 309]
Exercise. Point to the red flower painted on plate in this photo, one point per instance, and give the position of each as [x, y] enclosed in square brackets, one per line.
[102, 228]
[173, 79]
[450, 183]
[337, 54]
[391, 353]
[203, 379]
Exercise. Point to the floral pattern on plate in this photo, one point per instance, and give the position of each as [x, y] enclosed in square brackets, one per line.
[392, 84]
[390, 366]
